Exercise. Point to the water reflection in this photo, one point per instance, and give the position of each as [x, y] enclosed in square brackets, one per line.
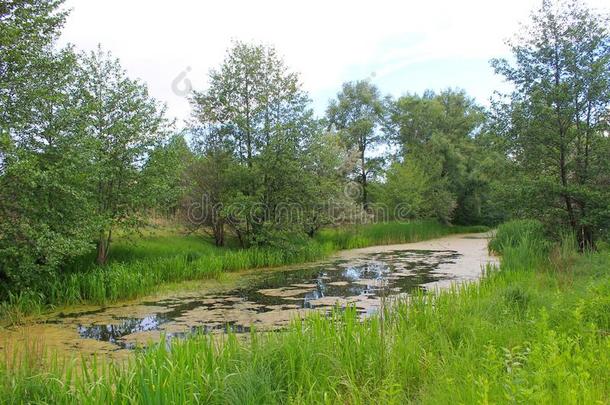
[114, 332]
[270, 300]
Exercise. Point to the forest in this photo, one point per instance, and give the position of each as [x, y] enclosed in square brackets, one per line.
[104, 198]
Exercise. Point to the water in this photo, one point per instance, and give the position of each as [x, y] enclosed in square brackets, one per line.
[270, 300]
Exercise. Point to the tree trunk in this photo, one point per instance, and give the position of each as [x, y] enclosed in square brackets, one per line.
[565, 194]
[240, 237]
[585, 238]
[103, 246]
[562, 146]
[311, 232]
[219, 234]
[365, 203]
[248, 127]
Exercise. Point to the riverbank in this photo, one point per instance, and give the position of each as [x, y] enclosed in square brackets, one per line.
[537, 331]
[261, 301]
[143, 266]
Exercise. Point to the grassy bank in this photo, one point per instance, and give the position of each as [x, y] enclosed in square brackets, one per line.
[537, 331]
[389, 233]
[140, 267]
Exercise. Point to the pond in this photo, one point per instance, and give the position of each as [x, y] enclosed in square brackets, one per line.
[269, 299]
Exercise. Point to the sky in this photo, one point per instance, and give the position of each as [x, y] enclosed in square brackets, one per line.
[401, 46]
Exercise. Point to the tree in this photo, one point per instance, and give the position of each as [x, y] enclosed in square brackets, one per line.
[557, 117]
[123, 124]
[326, 168]
[43, 193]
[212, 179]
[252, 98]
[438, 132]
[357, 114]
[255, 111]
[164, 175]
[404, 191]
[28, 32]
[414, 119]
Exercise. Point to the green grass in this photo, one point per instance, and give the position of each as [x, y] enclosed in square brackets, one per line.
[389, 233]
[537, 331]
[512, 233]
[140, 266]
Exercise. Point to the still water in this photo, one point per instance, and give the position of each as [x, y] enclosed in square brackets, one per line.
[267, 300]
[270, 301]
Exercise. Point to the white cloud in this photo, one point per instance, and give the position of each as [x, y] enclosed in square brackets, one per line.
[326, 41]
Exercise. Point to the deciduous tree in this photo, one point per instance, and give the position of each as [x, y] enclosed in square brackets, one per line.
[357, 113]
[123, 123]
[556, 120]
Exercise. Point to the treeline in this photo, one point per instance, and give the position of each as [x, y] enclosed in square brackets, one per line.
[86, 152]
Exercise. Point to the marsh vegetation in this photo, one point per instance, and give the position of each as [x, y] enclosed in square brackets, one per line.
[106, 205]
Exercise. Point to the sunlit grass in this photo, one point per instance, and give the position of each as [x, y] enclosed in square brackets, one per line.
[519, 336]
[512, 233]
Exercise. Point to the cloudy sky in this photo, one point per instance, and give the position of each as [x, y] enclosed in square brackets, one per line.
[402, 46]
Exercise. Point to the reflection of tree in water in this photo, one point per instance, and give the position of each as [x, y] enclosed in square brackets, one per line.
[112, 332]
[380, 268]
[417, 268]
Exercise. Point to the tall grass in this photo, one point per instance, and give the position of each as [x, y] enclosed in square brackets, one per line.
[514, 233]
[125, 280]
[139, 267]
[386, 233]
[517, 337]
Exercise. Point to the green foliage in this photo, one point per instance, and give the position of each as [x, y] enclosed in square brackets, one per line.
[357, 115]
[123, 124]
[518, 336]
[416, 189]
[164, 173]
[417, 119]
[259, 146]
[554, 125]
[324, 199]
[43, 190]
[405, 187]
[352, 237]
[439, 157]
[74, 132]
